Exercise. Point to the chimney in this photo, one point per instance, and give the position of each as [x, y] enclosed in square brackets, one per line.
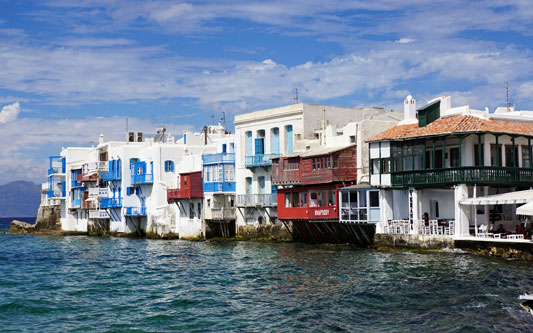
[101, 139]
[409, 109]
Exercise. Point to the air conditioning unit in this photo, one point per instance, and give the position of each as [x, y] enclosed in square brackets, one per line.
[140, 137]
[131, 137]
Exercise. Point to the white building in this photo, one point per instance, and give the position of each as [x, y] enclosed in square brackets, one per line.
[265, 134]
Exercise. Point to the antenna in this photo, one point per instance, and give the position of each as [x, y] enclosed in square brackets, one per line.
[295, 98]
[212, 118]
[127, 130]
[507, 95]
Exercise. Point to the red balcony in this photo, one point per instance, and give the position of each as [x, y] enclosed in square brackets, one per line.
[190, 187]
[87, 178]
[317, 166]
[309, 203]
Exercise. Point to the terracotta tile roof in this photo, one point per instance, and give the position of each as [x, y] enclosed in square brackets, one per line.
[456, 124]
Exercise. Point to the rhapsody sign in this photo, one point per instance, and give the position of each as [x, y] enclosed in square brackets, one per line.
[321, 212]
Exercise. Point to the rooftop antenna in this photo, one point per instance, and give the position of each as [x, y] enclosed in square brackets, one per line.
[212, 118]
[224, 119]
[127, 130]
[507, 95]
[295, 98]
[324, 129]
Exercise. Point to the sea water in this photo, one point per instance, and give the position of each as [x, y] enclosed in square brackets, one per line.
[78, 283]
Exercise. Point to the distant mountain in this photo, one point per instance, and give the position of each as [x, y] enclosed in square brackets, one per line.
[19, 199]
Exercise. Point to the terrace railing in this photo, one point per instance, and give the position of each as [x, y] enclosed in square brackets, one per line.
[218, 158]
[482, 175]
[259, 160]
[261, 200]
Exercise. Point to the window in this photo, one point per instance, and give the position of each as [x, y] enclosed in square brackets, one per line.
[295, 201]
[525, 158]
[454, 157]
[352, 138]
[374, 198]
[229, 172]
[184, 180]
[208, 203]
[169, 166]
[495, 155]
[199, 210]
[477, 161]
[303, 199]
[385, 165]
[335, 161]
[511, 153]
[313, 199]
[332, 199]
[375, 166]
[314, 163]
[288, 200]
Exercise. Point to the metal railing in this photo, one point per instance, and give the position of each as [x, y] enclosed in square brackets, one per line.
[264, 200]
[218, 158]
[223, 213]
[111, 203]
[259, 160]
[219, 186]
[146, 178]
[98, 214]
[112, 175]
[136, 211]
[463, 175]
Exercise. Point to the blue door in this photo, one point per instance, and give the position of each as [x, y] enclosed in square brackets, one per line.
[259, 146]
[224, 148]
[275, 141]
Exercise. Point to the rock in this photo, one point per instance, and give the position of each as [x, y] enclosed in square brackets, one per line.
[19, 227]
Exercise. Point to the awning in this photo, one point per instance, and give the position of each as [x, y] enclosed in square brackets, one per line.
[510, 198]
[526, 209]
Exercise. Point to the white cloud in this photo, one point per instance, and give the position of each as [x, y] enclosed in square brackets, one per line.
[9, 112]
[405, 40]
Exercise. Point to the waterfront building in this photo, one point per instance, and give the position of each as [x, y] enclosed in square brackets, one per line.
[316, 181]
[430, 166]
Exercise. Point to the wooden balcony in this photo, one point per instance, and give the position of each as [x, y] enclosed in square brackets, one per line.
[190, 187]
[479, 175]
[222, 214]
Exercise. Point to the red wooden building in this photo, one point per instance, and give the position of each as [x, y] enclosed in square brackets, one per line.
[311, 182]
[190, 186]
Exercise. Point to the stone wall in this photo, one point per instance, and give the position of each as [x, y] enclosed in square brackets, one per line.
[48, 218]
[426, 242]
[270, 232]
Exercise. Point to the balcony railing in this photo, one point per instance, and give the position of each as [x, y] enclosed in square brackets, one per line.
[480, 175]
[147, 178]
[112, 175]
[223, 213]
[259, 160]
[56, 171]
[218, 158]
[88, 204]
[98, 214]
[136, 211]
[263, 200]
[76, 203]
[111, 203]
[76, 183]
[219, 187]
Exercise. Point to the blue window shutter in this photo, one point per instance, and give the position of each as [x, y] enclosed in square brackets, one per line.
[262, 183]
[249, 143]
[259, 148]
[224, 148]
[275, 148]
[289, 139]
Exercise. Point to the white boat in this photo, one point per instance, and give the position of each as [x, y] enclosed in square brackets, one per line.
[527, 303]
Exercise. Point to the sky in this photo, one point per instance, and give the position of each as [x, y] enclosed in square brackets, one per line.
[72, 69]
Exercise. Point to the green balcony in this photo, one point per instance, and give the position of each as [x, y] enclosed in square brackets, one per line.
[480, 175]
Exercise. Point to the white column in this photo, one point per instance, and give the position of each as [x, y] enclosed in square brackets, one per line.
[503, 155]
[486, 150]
[461, 212]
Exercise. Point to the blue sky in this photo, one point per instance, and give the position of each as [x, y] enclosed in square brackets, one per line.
[71, 70]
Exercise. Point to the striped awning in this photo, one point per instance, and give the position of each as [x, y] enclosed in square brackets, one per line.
[509, 198]
[526, 209]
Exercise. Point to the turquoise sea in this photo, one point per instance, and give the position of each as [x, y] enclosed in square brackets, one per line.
[109, 284]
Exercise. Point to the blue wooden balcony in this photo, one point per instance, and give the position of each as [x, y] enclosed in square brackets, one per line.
[57, 165]
[111, 203]
[219, 187]
[76, 203]
[218, 158]
[112, 175]
[259, 160]
[142, 179]
[480, 175]
[257, 200]
[135, 211]
[56, 187]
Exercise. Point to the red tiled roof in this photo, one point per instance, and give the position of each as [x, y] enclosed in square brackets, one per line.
[455, 124]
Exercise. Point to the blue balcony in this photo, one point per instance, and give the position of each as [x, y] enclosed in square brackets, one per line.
[218, 158]
[135, 211]
[57, 165]
[56, 187]
[219, 187]
[259, 160]
[142, 179]
[111, 203]
[57, 194]
[112, 175]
